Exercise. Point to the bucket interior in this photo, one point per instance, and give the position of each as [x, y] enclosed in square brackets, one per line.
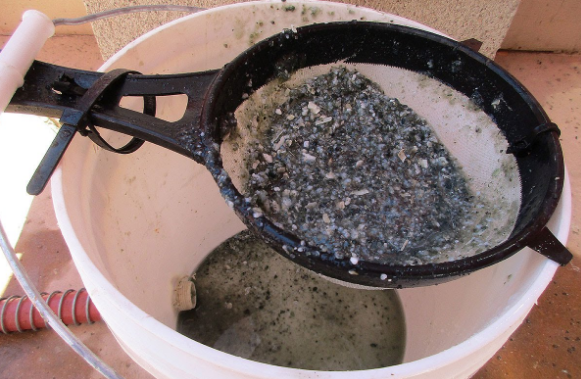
[153, 218]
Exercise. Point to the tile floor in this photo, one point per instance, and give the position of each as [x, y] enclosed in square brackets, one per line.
[547, 345]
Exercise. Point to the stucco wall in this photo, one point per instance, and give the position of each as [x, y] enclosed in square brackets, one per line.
[487, 21]
[546, 25]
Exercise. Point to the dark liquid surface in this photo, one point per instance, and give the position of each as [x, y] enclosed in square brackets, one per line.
[255, 304]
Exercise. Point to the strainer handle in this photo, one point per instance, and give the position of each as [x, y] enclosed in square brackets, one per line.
[84, 99]
[548, 245]
[49, 90]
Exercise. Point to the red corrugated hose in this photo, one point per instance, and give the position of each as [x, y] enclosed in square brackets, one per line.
[73, 307]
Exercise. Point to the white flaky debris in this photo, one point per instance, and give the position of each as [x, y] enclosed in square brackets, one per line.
[405, 244]
[309, 158]
[360, 192]
[330, 175]
[312, 205]
[267, 158]
[280, 142]
[401, 155]
[323, 120]
[314, 108]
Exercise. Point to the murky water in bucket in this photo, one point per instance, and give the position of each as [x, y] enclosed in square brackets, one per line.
[255, 304]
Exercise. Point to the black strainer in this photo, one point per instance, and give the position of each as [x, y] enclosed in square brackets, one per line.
[88, 98]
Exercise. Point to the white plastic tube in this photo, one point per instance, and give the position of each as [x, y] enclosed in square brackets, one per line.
[20, 51]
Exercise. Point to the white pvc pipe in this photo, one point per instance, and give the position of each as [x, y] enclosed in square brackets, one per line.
[20, 51]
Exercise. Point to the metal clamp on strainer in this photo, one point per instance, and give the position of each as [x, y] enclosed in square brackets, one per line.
[481, 91]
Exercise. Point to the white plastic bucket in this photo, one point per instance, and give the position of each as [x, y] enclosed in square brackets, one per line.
[137, 223]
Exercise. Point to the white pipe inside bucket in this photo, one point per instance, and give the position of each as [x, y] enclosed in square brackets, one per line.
[146, 220]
